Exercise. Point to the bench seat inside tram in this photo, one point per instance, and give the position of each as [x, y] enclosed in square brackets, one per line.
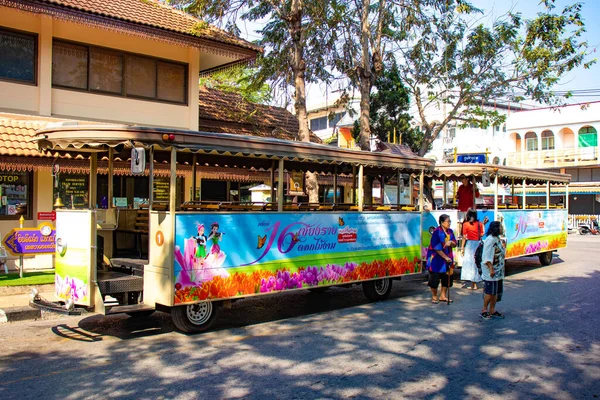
[270, 206]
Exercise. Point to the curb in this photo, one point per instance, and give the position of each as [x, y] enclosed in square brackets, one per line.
[14, 314]
[25, 289]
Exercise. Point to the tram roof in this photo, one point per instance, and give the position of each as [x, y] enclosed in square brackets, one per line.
[96, 138]
[455, 171]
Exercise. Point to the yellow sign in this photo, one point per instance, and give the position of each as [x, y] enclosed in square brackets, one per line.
[296, 183]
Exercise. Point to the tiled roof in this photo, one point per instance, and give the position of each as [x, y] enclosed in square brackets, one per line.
[400, 149]
[150, 13]
[229, 113]
[219, 112]
[16, 131]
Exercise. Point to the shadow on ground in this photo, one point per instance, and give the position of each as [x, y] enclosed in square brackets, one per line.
[338, 346]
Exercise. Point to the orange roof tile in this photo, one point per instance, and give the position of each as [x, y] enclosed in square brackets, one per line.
[16, 131]
[228, 112]
[151, 13]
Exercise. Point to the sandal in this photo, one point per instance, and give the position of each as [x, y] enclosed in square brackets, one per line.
[447, 301]
[485, 315]
[435, 301]
[496, 314]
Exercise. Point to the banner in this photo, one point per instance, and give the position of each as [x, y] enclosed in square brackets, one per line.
[228, 255]
[533, 231]
[431, 221]
[73, 257]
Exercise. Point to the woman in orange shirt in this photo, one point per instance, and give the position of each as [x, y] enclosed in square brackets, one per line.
[472, 233]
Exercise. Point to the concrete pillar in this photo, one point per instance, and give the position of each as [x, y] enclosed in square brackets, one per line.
[193, 76]
[576, 145]
[539, 149]
[522, 149]
[45, 67]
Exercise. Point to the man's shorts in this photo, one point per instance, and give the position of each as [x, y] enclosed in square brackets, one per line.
[436, 277]
[494, 288]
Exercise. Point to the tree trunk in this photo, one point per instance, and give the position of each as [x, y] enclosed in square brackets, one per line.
[365, 94]
[299, 71]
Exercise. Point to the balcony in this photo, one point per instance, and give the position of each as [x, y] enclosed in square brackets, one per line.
[557, 158]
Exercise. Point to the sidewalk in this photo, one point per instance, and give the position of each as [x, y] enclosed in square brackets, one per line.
[14, 302]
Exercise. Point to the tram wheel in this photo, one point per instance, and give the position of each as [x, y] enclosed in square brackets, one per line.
[379, 289]
[195, 318]
[546, 258]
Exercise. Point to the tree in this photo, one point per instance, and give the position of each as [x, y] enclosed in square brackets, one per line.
[294, 38]
[389, 110]
[239, 80]
[456, 68]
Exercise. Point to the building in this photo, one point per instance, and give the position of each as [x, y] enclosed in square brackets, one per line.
[333, 122]
[123, 61]
[563, 139]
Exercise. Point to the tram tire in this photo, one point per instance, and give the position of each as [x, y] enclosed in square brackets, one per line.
[195, 318]
[545, 258]
[141, 314]
[377, 290]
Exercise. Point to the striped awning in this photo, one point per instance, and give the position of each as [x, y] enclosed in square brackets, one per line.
[574, 188]
[93, 138]
[506, 175]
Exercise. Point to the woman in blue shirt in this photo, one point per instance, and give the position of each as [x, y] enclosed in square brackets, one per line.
[439, 258]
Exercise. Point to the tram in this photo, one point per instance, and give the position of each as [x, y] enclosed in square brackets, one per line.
[205, 255]
[530, 229]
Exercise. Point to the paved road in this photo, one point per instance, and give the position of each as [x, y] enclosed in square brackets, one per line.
[334, 345]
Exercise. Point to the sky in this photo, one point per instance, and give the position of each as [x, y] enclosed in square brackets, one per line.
[578, 79]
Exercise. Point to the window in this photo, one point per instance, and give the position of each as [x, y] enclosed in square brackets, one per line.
[106, 71]
[547, 140]
[452, 131]
[213, 190]
[69, 65]
[100, 70]
[336, 118]
[318, 123]
[19, 60]
[531, 141]
[326, 194]
[588, 137]
[140, 78]
[15, 194]
[171, 82]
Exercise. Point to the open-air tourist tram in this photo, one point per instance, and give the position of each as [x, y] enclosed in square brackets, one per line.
[204, 255]
[529, 228]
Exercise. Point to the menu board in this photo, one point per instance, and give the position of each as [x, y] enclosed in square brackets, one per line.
[73, 190]
[161, 189]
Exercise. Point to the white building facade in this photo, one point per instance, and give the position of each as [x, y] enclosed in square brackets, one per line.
[563, 139]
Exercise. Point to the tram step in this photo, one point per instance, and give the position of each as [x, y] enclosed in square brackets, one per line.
[129, 266]
[115, 282]
[129, 309]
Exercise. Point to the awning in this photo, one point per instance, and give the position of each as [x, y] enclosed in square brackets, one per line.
[574, 188]
[93, 138]
[456, 171]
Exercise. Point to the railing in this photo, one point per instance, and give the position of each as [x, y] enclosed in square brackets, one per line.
[554, 158]
[577, 219]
